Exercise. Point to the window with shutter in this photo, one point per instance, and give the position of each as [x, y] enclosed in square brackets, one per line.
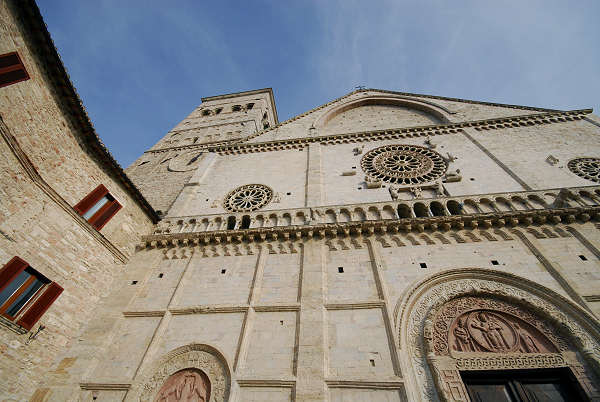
[25, 294]
[12, 69]
[98, 207]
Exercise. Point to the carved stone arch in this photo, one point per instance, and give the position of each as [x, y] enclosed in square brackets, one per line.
[432, 375]
[435, 112]
[201, 357]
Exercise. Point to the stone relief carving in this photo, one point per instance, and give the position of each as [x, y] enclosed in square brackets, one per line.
[203, 370]
[449, 158]
[452, 176]
[428, 313]
[493, 331]
[429, 143]
[185, 385]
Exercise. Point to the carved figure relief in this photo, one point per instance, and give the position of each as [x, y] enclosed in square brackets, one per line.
[482, 325]
[491, 321]
[188, 385]
[496, 332]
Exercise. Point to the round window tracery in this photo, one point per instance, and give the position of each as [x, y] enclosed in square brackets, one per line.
[250, 197]
[403, 164]
[588, 168]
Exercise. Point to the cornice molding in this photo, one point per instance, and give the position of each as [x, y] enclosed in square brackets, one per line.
[391, 384]
[266, 383]
[96, 386]
[241, 147]
[208, 310]
[408, 132]
[435, 224]
[39, 181]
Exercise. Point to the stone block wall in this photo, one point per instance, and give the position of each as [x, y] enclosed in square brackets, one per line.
[36, 116]
[261, 313]
[47, 165]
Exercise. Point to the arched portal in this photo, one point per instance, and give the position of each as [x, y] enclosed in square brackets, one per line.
[459, 323]
[194, 370]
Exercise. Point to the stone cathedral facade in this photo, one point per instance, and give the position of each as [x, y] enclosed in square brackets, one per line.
[385, 246]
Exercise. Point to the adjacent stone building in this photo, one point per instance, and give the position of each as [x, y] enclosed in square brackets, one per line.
[385, 246]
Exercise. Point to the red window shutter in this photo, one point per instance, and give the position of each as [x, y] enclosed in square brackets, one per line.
[35, 312]
[10, 271]
[103, 216]
[12, 69]
[90, 199]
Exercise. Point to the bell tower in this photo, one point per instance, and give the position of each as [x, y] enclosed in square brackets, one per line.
[163, 170]
[224, 118]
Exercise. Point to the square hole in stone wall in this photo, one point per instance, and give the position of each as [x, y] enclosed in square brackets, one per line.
[133, 282]
[223, 271]
[160, 275]
[494, 262]
[583, 257]
[422, 265]
[341, 270]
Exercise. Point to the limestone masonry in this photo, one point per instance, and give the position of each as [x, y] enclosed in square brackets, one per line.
[385, 246]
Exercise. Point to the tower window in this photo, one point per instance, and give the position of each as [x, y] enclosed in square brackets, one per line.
[25, 294]
[206, 112]
[266, 125]
[223, 271]
[341, 270]
[236, 108]
[231, 223]
[218, 110]
[12, 69]
[494, 262]
[583, 257]
[422, 265]
[249, 106]
[98, 207]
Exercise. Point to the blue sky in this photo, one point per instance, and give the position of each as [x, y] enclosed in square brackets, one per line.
[141, 66]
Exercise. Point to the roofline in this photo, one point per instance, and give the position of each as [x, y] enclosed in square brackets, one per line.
[303, 114]
[43, 47]
[246, 93]
[460, 100]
